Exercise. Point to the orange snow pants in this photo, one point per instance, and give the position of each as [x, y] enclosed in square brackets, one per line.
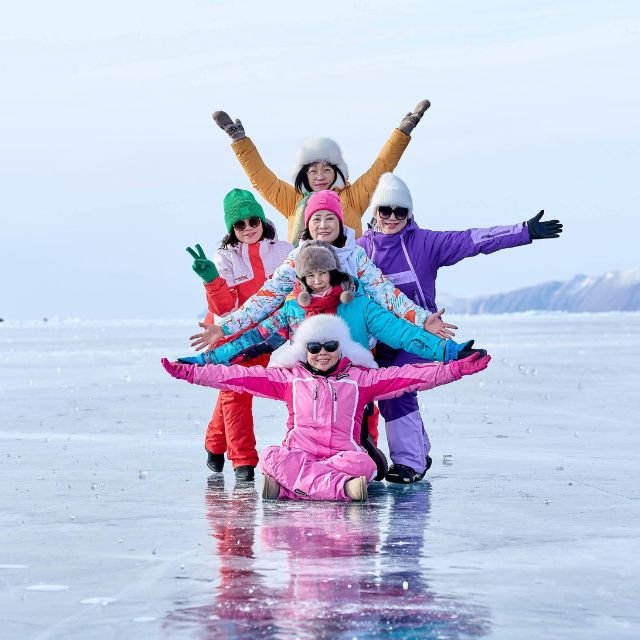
[230, 429]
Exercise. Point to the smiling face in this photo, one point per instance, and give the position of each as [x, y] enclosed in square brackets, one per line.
[323, 361]
[324, 225]
[320, 176]
[318, 281]
[246, 233]
[391, 224]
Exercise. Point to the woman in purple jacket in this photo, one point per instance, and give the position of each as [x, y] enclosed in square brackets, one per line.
[410, 257]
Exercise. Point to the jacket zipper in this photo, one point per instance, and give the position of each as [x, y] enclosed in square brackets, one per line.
[315, 402]
[406, 255]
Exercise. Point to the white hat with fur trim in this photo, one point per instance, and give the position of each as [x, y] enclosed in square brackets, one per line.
[391, 192]
[322, 328]
[320, 150]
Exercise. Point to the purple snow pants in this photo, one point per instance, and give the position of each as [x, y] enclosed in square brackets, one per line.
[406, 436]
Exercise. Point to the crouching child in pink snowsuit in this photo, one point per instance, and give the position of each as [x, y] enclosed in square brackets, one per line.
[326, 380]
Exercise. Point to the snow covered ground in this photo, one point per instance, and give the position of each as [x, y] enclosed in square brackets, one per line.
[528, 525]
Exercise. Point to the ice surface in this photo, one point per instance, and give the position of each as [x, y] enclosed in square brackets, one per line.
[528, 525]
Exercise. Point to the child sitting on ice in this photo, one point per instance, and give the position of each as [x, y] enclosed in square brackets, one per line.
[325, 379]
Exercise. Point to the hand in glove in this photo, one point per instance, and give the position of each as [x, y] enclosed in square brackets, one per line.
[179, 371]
[409, 122]
[547, 229]
[208, 338]
[460, 350]
[202, 265]
[467, 367]
[435, 324]
[234, 130]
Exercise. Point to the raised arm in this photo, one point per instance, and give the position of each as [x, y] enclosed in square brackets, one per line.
[360, 192]
[278, 193]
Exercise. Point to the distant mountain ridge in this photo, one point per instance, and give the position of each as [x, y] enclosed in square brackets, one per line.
[612, 291]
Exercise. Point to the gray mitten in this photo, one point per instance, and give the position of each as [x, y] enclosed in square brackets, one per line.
[234, 130]
[409, 122]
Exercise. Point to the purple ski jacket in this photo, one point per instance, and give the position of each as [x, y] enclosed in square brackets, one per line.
[411, 258]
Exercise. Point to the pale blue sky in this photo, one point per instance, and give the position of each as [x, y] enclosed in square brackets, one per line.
[111, 165]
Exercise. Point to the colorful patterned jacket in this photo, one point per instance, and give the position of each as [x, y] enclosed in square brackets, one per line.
[354, 261]
[367, 321]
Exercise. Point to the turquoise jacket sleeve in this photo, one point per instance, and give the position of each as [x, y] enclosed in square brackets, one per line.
[265, 337]
[400, 334]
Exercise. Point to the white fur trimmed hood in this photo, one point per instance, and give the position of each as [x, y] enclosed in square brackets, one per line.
[319, 150]
[322, 328]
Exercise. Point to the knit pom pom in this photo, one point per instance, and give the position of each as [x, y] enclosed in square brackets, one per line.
[346, 297]
[304, 298]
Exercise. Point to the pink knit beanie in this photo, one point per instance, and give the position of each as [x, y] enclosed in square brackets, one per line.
[323, 201]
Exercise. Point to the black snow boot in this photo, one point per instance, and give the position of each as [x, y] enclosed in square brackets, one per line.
[215, 461]
[244, 472]
[367, 442]
[401, 474]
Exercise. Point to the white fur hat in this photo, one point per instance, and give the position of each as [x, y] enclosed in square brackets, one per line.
[322, 328]
[320, 150]
[392, 192]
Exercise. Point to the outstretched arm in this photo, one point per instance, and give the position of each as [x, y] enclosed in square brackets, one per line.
[264, 338]
[400, 334]
[266, 383]
[449, 247]
[391, 382]
[260, 305]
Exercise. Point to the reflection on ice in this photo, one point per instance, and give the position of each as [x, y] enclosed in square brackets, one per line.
[325, 570]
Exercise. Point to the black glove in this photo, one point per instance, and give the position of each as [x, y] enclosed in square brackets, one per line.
[467, 350]
[234, 130]
[540, 230]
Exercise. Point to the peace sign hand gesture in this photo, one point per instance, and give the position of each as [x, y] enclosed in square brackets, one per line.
[202, 265]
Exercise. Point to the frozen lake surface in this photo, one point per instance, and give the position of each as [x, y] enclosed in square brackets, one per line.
[527, 525]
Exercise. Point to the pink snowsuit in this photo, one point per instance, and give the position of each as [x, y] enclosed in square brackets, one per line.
[321, 449]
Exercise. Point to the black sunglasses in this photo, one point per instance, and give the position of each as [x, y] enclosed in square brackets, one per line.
[315, 347]
[241, 224]
[401, 213]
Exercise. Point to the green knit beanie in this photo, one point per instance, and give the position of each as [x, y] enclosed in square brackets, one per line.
[240, 205]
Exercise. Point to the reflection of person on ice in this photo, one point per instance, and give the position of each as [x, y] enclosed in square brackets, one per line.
[326, 379]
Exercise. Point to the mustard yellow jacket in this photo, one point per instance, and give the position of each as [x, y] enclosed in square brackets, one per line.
[355, 198]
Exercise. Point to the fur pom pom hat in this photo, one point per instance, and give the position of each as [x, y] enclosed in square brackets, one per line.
[316, 255]
[391, 192]
[320, 150]
[322, 328]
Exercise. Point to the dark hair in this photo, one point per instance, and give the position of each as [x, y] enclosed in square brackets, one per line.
[231, 240]
[302, 180]
[339, 242]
